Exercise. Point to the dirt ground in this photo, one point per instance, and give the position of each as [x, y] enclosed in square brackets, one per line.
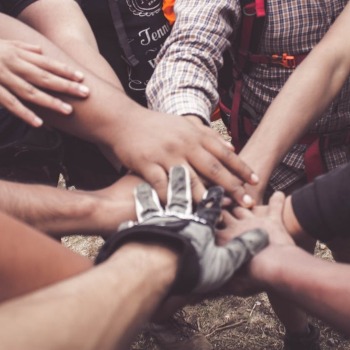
[229, 323]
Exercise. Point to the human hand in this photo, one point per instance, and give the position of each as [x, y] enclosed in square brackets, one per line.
[204, 266]
[161, 141]
[267, 217]
[25, 74]
[250, 279]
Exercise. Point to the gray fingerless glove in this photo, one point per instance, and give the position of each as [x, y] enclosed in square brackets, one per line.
[203, 265]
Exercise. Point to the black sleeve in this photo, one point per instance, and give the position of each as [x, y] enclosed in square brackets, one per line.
[323, 207]
[14, 7]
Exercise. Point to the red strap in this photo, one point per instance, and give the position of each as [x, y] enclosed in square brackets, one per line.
[234, 116]
[260, 8]
[314, 164]
[246, 35]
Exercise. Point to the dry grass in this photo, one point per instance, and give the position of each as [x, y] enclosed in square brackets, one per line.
[229, 322]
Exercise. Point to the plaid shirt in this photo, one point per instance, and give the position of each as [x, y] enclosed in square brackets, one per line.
[185, 80]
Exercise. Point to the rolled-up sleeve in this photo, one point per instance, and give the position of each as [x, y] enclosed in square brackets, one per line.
[185, 79]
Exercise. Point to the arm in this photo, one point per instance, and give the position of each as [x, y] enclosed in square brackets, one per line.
[185, 79]
[63, 23]
[25, 74]
[121, 293]
[307, 93]
[60, 212]
[139, 138]
[30, 260]
[310, 288]
[321, 209]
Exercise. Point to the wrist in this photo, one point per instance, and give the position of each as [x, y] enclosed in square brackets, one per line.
[157, 261]
[261, 163]
[266, 267]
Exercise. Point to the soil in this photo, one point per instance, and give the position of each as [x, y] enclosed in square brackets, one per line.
[228, 322]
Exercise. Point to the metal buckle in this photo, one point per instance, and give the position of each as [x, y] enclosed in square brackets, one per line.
[249, 10]
[285, 60]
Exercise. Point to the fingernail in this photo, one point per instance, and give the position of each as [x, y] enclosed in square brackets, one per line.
[254, 178]
[84, 89]
[37, 121]
[79, 75]
[247, 200]
[66, 108]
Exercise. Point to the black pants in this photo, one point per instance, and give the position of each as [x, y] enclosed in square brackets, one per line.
[39, 155]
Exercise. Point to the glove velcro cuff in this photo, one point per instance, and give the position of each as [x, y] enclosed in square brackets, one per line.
[188, 270]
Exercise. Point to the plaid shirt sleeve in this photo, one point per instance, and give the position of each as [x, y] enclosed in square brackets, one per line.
[185, 79]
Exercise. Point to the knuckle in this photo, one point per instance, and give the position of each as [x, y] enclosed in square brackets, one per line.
[30, 91]
[11, 101]
[45, 76]
[215, 170]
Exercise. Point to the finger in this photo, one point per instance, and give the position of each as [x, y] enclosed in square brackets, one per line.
[224, 233]
[242, 213]
[197, 187]
[51, 65]
[156, 176]
[179, 191]
[26, 46]
[276, 204]
[228, 219]
[209, 208]
[205, 163]
[31, 94]
[42, 77]
[12, 104]
[147, 202]
[247, 245]
[230, 159]
[260, 210]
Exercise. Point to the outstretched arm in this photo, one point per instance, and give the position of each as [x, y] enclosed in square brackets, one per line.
[121, 293]
[303, 99]
[59, 212]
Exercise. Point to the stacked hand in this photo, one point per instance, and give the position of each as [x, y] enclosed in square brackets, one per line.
[269, 218]
[204, 266]
[26, 73]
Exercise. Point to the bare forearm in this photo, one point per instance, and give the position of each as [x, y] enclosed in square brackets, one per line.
[60, 212]
[98, 118]
[317, 286]
[121, 294]
[46, 208]
[63, 23]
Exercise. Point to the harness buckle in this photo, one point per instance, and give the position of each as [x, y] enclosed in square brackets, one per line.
[285, 60]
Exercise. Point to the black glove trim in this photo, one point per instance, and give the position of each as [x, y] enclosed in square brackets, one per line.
[189, 269]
